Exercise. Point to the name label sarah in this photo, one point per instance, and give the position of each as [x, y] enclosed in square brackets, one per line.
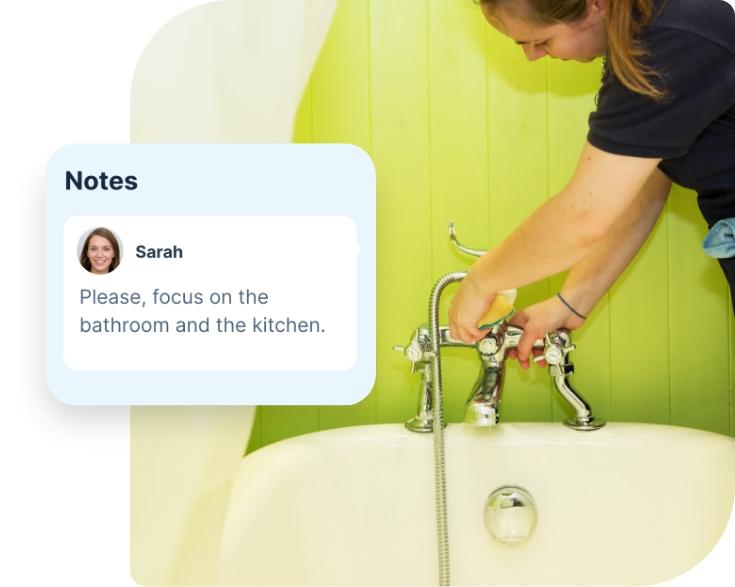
[174, 252]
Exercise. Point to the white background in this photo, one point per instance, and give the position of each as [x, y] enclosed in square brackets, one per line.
[64, 481]
[64, 477]
[316, 257]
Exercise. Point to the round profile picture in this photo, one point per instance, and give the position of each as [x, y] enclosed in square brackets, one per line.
[100, 252]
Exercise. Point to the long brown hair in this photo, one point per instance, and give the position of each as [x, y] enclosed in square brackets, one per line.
[624, 22]
[105, 233]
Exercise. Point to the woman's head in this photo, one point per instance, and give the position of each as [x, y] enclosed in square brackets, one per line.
[580, 30]
[566, 29]
[101, 252]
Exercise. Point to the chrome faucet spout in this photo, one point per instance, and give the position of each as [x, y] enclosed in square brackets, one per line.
[559, 345]
[483, 406]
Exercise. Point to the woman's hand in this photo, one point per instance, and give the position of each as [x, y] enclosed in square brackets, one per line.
[536, 321]
[468, 306]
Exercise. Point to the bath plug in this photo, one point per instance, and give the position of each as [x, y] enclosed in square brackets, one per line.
[500, 309]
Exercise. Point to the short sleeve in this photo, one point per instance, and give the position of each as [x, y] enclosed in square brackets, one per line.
[698, 76]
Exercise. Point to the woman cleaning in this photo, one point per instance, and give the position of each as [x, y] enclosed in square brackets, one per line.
[665, 112]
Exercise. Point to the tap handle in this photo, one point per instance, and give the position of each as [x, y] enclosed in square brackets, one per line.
[557, 345]
[460, 246]
[417, 350]
[411, 352]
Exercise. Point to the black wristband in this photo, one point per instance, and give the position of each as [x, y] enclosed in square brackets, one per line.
[572, 310]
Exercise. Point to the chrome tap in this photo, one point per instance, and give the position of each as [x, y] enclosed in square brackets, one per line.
[557, 347]
[418, 352]
[483, 405]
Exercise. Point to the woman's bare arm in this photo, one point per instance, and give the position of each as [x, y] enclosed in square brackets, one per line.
[556, 236]
[589, 279]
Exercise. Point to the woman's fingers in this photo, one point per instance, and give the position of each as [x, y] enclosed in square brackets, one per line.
[525, 345]
[464, 331]
[466, 309]
[468, 335]
[519, 319]
[536, 321]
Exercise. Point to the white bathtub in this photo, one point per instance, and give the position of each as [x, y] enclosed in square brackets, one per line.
[630, 504]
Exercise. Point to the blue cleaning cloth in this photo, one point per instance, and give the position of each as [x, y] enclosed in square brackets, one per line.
[720, 240]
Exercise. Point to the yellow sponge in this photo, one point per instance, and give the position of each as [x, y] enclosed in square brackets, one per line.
[500, 309]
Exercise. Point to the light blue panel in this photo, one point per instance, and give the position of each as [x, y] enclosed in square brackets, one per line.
[210, 180]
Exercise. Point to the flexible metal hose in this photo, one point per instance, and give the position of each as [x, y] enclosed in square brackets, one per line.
[438, 428]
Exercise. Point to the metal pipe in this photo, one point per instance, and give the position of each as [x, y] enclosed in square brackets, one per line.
[438, 425]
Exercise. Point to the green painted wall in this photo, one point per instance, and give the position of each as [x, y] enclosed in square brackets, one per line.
[460, 126]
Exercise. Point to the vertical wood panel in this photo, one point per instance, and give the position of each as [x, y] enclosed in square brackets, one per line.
[274, 423]
[459, 186]
[460, 126]
[698, 323]
[255, 441]
[399, 86]
[302, 125]
[340, 93]
[279, 422]
[640, 333]
[518, 175]
[572, 87]
[340, 84]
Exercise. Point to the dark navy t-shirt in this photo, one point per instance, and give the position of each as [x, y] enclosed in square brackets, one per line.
[691, 45]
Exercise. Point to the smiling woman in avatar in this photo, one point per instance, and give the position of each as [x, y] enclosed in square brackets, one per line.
[101, 252]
